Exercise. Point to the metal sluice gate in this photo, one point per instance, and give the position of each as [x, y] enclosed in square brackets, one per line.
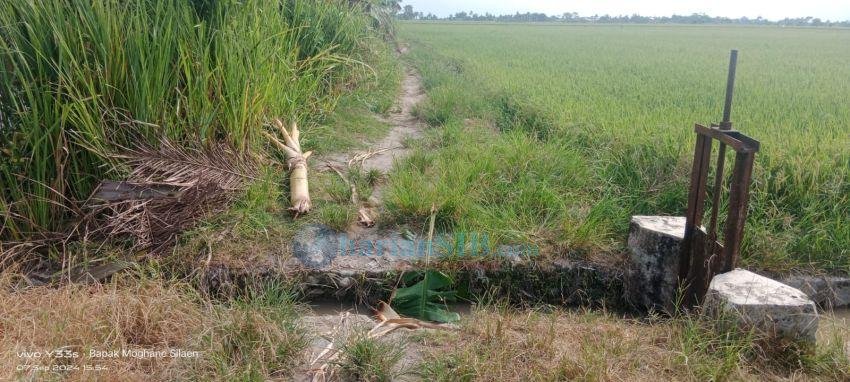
[702, 255]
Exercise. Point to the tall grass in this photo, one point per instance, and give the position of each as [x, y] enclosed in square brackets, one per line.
[81, 78]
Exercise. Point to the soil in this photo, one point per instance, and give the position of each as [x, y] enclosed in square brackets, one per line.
[381, 155]
[405, 125]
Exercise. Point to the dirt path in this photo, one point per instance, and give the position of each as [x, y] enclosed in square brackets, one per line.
[381, 155]
[405, 125]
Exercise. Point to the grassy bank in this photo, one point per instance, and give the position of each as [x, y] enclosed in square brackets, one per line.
[499, 344]
[251, 337]
[258, 336]
[83, 80]
[557, 134]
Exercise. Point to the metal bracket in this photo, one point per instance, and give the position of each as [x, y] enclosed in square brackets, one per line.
[702, 255]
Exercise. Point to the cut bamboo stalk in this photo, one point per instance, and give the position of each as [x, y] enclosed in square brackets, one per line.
[296, 163]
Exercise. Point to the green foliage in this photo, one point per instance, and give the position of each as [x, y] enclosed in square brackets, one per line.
[336, 216]
[427, 298]
[712, 355]
[715, 348]
[84, 78]
[606, 113]
[381, 13]
[521, 114]
[510, 186]
[370, 359]
[259, 336]
[447, 368]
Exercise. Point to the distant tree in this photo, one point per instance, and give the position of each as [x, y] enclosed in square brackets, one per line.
[408, 13]
[459, 16]
[570, 16]
[382, 13]
[573, 17]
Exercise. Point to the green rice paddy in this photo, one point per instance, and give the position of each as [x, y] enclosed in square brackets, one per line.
[556, 134]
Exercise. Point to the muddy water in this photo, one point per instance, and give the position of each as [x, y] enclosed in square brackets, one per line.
[333, 307]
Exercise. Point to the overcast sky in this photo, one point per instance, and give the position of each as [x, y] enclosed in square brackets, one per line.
[769, 9]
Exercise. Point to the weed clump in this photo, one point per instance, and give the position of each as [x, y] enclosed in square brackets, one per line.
[370, 359]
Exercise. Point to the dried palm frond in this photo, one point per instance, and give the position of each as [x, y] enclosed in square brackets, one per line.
[182, 166]
[389, 320]
[170, 188]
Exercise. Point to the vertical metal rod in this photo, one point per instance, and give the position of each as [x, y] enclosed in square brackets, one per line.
[730, 87]
[738, 198]
[695, 206]
[692, 259]
[726, 124]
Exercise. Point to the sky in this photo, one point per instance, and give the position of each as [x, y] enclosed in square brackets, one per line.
[835, 10]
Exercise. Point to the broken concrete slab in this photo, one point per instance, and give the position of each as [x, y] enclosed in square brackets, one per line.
[366, 267]
[758, 302]
[653, 268]
[829, 292]
[328, 264]
[315, 245]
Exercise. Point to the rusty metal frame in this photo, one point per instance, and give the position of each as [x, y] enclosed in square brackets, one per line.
[702, 254]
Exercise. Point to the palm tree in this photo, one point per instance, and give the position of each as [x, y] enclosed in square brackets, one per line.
[382, 13]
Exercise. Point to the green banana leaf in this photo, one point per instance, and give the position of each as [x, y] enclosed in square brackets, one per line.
[426, 300]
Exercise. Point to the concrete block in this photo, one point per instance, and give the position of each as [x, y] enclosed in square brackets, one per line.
[759, 302]
[329, 264]
[829, 292]
[653, 268]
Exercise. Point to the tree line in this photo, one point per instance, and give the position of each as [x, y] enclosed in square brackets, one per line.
[407, 13]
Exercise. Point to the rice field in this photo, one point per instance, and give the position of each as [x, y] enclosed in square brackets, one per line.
[596, 124]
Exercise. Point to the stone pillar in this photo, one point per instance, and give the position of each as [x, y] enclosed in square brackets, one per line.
[767, 305]
[829, 292]
[653, 268]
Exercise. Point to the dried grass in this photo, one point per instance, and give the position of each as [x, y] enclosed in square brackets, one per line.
[205, 181]
[238, 338]
[597, 346]
[103, 317]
